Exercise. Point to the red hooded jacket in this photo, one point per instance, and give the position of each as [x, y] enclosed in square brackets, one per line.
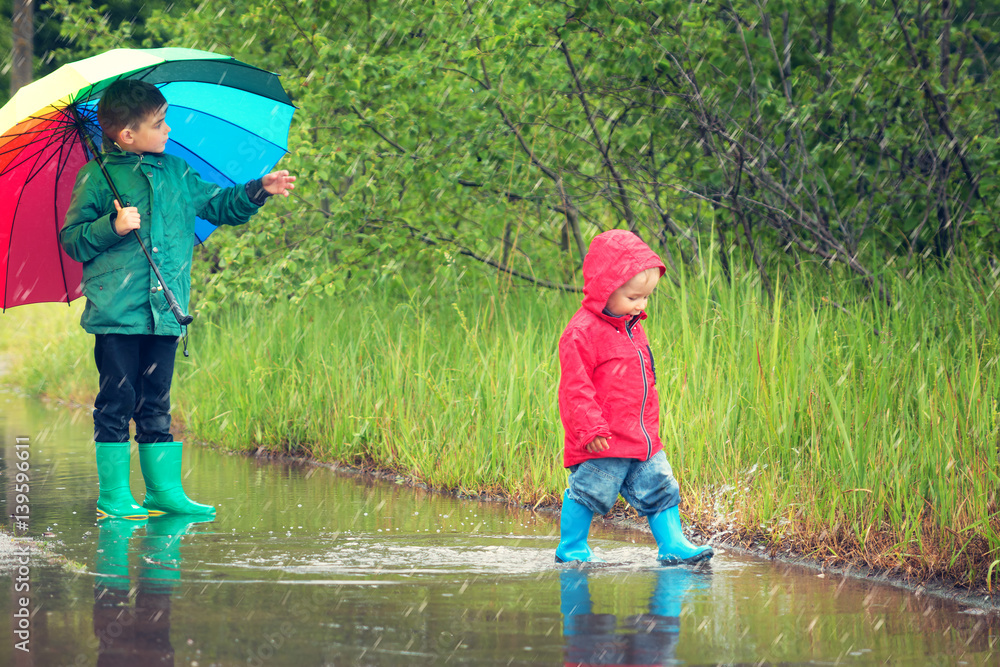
[608, 382]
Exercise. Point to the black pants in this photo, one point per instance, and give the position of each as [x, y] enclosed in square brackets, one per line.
[136, 372]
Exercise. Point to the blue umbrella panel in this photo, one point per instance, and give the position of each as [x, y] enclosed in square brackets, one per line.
[229, 135]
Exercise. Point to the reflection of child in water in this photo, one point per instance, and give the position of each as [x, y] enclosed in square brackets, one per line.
[139, 634]
[644, 639]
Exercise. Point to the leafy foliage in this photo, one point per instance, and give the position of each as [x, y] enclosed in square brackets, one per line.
[509, 133]
[67, 31]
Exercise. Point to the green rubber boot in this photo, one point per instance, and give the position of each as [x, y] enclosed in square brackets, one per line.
[115, 497]
[161, 468]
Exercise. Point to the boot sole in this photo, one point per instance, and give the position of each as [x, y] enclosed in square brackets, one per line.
[205, 513]
[101, 514]
[700, 558]
[193, 512]
[598, 561]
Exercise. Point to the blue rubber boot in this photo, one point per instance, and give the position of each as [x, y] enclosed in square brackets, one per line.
[674, 547]
[574, 526]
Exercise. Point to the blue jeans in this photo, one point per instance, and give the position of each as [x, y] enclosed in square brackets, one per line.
[136, 372]
[648, 486]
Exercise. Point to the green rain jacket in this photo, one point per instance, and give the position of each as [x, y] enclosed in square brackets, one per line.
[120, 286]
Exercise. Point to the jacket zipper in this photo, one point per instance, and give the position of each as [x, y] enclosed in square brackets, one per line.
[645, 390]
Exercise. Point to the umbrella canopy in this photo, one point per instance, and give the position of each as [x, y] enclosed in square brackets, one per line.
[228, 120]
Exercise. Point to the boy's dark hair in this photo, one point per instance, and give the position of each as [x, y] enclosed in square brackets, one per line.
[125, 104]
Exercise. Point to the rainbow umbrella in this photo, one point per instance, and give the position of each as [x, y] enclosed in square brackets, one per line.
[229, 121]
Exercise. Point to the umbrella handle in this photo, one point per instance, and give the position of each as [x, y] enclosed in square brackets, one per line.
[175, 307]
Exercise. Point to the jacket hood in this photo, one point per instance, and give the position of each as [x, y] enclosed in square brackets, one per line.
[613, 258]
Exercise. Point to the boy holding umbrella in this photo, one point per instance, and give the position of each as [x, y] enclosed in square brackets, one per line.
[135, 333]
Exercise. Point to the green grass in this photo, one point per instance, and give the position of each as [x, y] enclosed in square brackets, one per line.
[858, 432]
[46, 352]
[827, 422]
[461, 395]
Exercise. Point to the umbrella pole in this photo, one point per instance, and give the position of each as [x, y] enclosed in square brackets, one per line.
[182, 318]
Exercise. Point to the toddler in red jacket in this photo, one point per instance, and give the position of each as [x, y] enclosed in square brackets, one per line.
[609, 406]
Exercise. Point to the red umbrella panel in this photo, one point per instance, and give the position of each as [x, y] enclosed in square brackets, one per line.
[34, 160]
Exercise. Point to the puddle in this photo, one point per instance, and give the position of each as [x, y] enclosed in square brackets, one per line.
[307, 567]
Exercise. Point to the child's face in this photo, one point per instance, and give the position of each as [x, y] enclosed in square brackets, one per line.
[151, 135]
[631, 298]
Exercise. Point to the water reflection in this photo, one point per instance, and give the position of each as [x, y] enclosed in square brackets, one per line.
[136, 630]
[309, 567]
[650, 638]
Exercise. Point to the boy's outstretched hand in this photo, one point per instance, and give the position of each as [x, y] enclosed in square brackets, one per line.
[278, 182]
[598, 444]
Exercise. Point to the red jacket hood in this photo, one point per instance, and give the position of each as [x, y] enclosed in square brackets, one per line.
[614, 257]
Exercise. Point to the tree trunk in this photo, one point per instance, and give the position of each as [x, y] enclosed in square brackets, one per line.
[831, 16]
[23, 24]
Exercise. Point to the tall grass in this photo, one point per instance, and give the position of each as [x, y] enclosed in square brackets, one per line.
[826, 422]
[847, 428]
[44, 351]
[459, 393]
